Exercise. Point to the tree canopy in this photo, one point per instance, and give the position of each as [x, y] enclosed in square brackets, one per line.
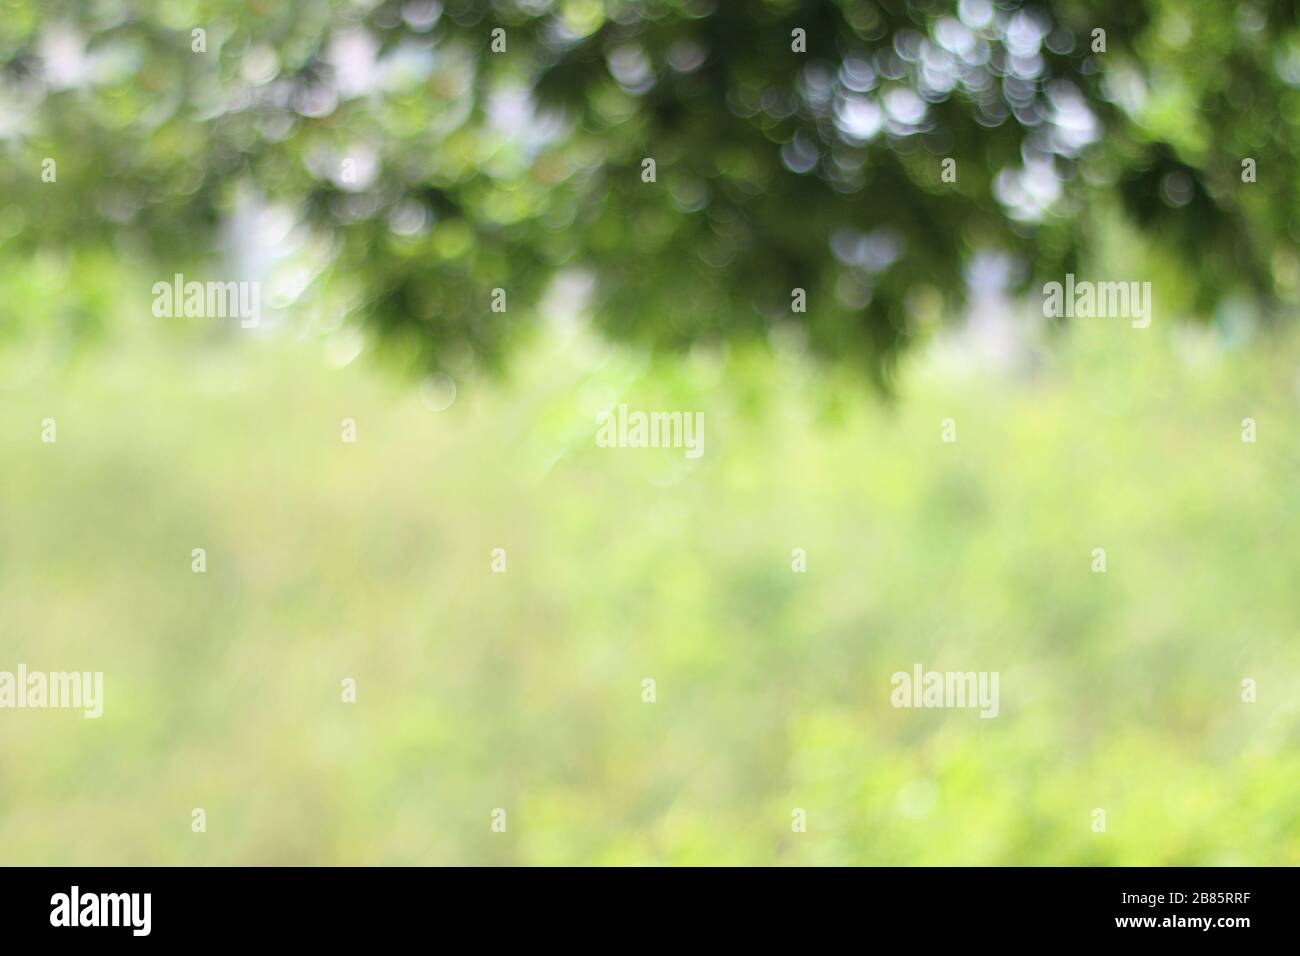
[423, 154]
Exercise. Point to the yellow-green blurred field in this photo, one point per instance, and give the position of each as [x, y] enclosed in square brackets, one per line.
[522, 690]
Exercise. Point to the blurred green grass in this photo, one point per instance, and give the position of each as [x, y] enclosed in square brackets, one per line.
[523, 690]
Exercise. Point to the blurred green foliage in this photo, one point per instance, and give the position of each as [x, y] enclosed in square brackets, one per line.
[775, 169]
[522, 690]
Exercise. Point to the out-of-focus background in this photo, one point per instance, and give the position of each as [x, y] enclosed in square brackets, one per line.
[522, 690]
[372, 560]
